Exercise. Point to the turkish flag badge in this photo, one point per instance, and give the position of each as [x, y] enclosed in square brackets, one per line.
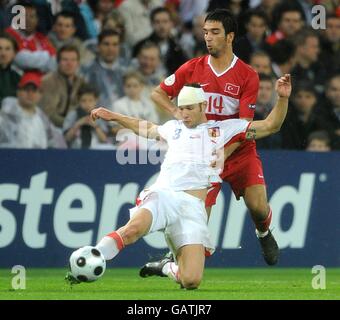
[232, 89]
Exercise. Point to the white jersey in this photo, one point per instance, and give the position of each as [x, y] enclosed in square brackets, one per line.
[187, 163]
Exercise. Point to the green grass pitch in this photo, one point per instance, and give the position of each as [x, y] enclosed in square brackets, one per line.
[218, 284]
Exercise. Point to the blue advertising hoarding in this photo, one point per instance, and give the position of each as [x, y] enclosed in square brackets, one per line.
[53, 201]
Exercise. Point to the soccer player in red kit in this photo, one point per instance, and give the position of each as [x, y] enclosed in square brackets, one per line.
[231, 88]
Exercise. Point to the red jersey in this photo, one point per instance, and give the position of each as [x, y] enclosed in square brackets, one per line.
[230, 94]
[34, 42]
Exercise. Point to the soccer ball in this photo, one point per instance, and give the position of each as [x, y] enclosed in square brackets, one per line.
[87, 264]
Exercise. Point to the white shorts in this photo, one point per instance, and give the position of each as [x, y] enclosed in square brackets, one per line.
[181, 216]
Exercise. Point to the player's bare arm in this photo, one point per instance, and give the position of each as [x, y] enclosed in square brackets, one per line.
[274, 121]
[160, 97]
[140, 127]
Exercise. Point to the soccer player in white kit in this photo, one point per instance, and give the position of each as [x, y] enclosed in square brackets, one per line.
[175, 203]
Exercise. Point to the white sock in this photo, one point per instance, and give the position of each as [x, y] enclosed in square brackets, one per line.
[261, 234]
[170, 269]
[108, 247]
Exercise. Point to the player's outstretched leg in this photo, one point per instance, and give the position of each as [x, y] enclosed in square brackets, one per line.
[256, 200]
[110, 245]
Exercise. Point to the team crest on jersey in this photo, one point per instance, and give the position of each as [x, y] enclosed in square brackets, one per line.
[232, 89]
[252, 106]
[169, 81]
[214, 132]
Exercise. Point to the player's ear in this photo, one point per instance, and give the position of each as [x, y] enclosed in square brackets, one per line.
[230, 37]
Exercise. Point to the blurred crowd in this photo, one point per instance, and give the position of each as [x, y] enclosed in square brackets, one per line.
[72, 55]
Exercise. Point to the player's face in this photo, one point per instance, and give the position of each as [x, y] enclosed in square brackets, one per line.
[192, 114]
[215, 38]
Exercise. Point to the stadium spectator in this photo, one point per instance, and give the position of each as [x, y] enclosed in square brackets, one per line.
[268, 6]
[79, 130]
[106, 71]
[5, 16]
[63, 33]
[331, 109]
[114, 21]
[192, 40]
[261, 62]
[302, 119]
[60, 88]
[283, 57]
[189, 10]
[22, 123]
[134, 103]
[148, 63]
[256, 26]
[290, 19]
[319, 141]
[9, 75]
[171, 53]
[136, 14]
[308, 67]
[36, 52]
[330, 44]
[101, 9]
[264, 104]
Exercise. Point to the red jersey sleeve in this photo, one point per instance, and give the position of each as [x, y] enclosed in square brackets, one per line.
[249, 96]
[173, 84]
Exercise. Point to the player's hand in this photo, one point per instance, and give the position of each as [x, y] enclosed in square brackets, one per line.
[283, 86]
[102, 113]
[177, 115]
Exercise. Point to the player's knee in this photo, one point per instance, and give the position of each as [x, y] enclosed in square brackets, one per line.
[190, 281]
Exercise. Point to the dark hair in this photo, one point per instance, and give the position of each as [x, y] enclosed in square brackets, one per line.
[330, 78]
[282, 51]
[301, 36]
[4, 35]
[286, 6]
[65, 14]
[158, 10]
[67, 48]
[306, 86]
[87, 89]
[26, 4]
[225, 17]
[319, 135]
[148, 45]
[256, 13]
[108, 33]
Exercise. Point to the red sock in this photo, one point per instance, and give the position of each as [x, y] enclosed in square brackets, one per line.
[263, 225]
[119, 240]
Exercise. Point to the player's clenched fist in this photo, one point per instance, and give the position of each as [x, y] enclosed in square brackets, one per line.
[283, 86]
[102, 113]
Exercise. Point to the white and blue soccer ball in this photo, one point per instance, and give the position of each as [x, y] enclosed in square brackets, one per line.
[87, 264]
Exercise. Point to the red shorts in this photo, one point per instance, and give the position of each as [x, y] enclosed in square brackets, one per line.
[243, 169]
